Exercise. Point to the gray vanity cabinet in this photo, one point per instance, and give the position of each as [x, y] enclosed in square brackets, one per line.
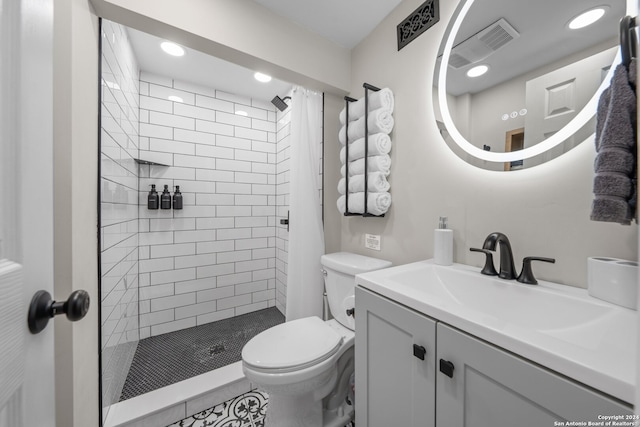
[394, 387]
[465, 382]
[494, 388]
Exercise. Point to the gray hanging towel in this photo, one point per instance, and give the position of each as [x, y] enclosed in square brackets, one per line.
[615, 164]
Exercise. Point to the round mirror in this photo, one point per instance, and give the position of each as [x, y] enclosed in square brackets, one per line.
[523, 78]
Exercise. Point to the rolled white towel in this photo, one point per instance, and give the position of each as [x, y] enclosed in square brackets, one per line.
[376, 183]
[374, 164]
[380, 120]
[380, 99]
[377, 203]
[379, 143]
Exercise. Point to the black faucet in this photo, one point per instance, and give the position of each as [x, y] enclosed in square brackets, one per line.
[526, 275]
[507, 267]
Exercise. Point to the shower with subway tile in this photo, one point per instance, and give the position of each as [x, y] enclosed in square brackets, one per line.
[184, 287]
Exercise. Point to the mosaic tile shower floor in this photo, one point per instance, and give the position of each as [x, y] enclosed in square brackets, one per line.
[169, 358]
[247, 410]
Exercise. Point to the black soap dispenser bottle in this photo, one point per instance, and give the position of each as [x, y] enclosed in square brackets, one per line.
[152, 198]
[165, 198]
[177, 198]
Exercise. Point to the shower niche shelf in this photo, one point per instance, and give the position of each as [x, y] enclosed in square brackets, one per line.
[149, 162]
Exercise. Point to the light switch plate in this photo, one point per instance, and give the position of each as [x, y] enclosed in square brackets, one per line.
[372, 241]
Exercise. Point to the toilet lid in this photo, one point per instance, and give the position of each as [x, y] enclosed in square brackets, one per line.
[291, 346]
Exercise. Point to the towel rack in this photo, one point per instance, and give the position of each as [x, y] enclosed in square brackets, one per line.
[348, 100]
[628, 39]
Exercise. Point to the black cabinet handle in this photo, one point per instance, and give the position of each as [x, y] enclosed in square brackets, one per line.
[446, 368]
[351, 312]
[419, 351]
[43, 308]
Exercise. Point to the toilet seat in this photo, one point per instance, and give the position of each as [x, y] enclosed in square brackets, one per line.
[292, 346]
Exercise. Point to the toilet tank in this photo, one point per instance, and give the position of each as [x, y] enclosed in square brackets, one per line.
[340, 269]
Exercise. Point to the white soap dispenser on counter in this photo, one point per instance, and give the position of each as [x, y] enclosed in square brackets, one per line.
[443, 243]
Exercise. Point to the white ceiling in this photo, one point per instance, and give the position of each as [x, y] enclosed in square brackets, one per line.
[202, 69]
[345, 22]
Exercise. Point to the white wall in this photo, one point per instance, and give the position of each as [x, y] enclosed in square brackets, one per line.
[215, 258]
[75, 101]
[332, 223]
[243, 32]
[544, 210]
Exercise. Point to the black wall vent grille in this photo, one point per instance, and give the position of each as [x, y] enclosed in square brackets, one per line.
[418, 22]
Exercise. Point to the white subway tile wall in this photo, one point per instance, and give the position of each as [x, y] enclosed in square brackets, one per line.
[119, 210]
[215, 258]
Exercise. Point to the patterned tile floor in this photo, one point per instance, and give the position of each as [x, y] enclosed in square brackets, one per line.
[169, 358]
[247, 410]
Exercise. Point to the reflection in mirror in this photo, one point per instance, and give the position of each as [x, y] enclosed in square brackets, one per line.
[534, 76]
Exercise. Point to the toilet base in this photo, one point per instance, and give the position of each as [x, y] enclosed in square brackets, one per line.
[339, 417]
[304, 411]
[293, 411]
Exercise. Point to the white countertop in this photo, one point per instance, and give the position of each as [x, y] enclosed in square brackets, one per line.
[557, 326]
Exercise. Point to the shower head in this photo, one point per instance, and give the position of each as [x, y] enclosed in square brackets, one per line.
[279, 102]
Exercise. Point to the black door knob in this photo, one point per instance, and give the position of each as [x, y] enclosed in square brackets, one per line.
[43, 308]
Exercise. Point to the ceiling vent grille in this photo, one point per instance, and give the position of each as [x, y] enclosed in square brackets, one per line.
[458, 61]
[482, 44]
[418, 22]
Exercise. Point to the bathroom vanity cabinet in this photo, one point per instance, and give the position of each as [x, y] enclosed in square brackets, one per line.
[394, 387]
[462, 381]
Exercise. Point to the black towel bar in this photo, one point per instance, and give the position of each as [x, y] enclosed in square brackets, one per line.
[348, 100]
[628, 49]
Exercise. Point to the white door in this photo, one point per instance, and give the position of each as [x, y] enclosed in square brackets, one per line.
[26, 208]
[555, 98]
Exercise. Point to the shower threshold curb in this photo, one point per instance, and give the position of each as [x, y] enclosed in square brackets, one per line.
[180, 400]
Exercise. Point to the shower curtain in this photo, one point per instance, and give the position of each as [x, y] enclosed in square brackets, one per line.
[305, 283]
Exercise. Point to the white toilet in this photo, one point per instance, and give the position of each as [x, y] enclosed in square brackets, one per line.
[305, 365]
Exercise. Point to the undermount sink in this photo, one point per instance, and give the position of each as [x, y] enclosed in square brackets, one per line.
[557, 326]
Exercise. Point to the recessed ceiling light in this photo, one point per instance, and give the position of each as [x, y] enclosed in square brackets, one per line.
[587, 18]
[477, 71]
[172, 48]
[242, 113]
[264, 78]
[175, 98]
